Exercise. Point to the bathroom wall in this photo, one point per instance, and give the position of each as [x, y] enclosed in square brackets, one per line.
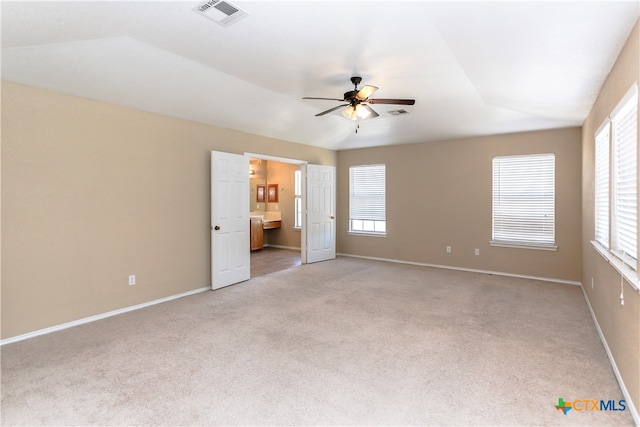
[283, 175]
[259, 166]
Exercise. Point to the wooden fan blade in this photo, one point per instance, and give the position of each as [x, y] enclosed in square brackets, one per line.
[331, 109]
[373, 113]
[392, 101]
[326, 99]
[365, 92]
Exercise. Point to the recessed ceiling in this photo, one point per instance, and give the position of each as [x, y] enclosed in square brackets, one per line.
[474, 68]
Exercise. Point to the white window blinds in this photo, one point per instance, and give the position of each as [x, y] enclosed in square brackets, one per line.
[625, 142]
[602, 186]
[367, 199]
[524, 200]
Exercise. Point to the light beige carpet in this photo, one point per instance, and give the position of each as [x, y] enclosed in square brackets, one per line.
[341, 342]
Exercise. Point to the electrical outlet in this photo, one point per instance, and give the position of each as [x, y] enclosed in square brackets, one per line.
[477, 251]
[448, 249]
[132, 280]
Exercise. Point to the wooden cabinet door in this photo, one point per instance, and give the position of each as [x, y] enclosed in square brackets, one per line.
[257, 238]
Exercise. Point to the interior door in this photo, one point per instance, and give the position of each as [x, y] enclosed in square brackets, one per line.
[230, 254]
[319, 223]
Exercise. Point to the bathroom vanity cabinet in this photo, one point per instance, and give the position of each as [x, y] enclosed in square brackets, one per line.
[270, 224]
[259, 223]
[257, 234]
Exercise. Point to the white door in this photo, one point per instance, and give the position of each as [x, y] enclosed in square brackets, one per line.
[230, 254]
[319, 223]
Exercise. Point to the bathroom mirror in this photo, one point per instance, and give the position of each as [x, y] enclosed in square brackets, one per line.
[260, 198]
[272, 193]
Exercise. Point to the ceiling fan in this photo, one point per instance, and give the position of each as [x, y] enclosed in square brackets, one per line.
[357, 102]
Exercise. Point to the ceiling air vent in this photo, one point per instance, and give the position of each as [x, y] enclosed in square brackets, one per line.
[398, 112]
[222, 12]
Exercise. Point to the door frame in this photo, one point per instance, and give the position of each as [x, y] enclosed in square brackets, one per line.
[266, 157]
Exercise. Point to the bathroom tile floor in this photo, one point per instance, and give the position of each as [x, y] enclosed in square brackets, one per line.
[268, 260]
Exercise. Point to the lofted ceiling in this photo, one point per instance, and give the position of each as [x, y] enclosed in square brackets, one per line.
[474, 68]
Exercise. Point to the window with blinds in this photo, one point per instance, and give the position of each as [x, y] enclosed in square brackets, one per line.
[624, 137]
[524, 201]
[602, 183]
[367, 199]
[616, 181]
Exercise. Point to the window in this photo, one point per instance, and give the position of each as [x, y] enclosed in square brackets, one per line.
[602, 186]
[297, 221]
[616, 178]
[524, 201]
[367, 199]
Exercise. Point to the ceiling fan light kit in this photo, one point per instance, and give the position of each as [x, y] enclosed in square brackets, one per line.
[357, 102]
[356, 112]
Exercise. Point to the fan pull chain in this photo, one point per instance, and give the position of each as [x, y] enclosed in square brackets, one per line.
[357, 127]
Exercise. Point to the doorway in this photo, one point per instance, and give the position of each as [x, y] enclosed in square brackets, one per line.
[231, 214]
[275, 203]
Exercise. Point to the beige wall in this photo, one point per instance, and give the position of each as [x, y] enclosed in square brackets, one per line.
[620, 324]
[92, 193]
[439, 194]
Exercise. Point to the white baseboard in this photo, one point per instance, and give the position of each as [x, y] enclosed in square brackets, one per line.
[471, 270]
[623, 387]
[98, 317]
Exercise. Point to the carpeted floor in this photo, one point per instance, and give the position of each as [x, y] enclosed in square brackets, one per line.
[348, 342]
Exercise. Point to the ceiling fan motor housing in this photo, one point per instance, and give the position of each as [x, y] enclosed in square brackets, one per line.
[350, 95]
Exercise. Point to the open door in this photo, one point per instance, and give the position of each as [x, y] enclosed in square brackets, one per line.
[319, 223]
[230, 254]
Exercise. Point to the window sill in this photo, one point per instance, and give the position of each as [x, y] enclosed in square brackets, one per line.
[629, 274]
[366, 233]
[523, 246]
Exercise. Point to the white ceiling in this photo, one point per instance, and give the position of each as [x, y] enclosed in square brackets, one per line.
[474, 68]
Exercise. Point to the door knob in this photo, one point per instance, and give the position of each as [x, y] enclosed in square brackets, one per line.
[333, 217]
[217, 227]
